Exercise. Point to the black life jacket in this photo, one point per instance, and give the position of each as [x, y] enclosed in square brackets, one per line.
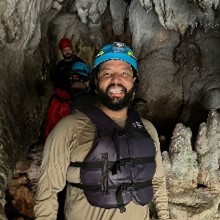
[120, 165]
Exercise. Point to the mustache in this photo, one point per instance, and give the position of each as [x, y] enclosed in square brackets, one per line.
[68, 55]
[118, 85]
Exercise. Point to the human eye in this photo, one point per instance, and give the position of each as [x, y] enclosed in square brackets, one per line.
[106, 73]
[126, 73]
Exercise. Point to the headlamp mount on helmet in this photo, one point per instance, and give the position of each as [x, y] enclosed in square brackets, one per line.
[116, 51]
[118, 47]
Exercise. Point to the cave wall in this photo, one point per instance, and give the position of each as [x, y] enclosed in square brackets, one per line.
[176, 42]
[21, 108]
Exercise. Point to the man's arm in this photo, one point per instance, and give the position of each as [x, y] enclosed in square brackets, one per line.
[56, 158]
[159, 180]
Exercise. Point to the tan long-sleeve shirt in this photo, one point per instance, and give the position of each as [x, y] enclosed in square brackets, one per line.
[71, 140]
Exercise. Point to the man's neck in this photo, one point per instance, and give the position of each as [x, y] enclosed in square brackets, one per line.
[121, 114]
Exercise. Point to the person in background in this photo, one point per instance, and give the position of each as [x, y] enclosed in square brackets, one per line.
[60, 77]
[80, 95]
[109, 157]
[82, 90]
[66, 89]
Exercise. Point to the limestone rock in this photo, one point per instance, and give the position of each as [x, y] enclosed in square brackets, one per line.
[176, 15]
[22, 188]
[193, 175]
[180, 162]
[89, 12]
[208, 149]
[118, 12]
[196, 204]
[21, 198]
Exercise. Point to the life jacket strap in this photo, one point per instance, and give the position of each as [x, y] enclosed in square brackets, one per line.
[105, 133]
[113, 164]
[129, 187]
[122, 187]
[119, 191]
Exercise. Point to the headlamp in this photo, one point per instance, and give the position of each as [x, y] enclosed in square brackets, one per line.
[116, 51]
[118, 47]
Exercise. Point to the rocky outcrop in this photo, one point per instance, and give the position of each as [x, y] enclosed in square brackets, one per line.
[193, 172]
[21, 106]
[208, 150]
[181, 161]
[22, 188]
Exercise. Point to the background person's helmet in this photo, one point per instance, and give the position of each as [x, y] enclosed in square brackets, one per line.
[116, 51]
[80, 71]
[65, 42]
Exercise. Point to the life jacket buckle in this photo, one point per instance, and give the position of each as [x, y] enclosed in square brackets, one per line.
[125, 162]
[127, 187]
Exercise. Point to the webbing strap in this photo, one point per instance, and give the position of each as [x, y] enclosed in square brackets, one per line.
[105, 124]
[100, 120]
[120, 188]
[86, 187]
[119, 191]
[123, 162]
[129, 186]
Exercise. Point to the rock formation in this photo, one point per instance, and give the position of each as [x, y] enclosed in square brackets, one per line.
[193, 172]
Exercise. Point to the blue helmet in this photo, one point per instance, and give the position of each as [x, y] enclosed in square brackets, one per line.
[116, 51]
[81, 68]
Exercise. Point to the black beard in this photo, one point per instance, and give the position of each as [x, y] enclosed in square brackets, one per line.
[68, 56]
[116, 104]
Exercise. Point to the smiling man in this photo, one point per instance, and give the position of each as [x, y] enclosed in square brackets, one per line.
[116, 84]
[109, 156]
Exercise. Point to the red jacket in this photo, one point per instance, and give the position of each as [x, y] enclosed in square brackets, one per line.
[59, 107]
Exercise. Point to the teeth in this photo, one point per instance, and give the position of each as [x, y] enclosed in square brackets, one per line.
[115, 90]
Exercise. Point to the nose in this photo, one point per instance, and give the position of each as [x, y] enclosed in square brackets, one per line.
[116, 78]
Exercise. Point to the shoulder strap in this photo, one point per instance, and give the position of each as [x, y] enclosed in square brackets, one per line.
[99, 119]
[104, 122]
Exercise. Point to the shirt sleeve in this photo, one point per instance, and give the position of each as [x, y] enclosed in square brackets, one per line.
[159, 181]
[56, 159]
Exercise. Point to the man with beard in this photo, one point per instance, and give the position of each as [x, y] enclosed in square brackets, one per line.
[109, 156]
[67, 90]
[60, 77]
